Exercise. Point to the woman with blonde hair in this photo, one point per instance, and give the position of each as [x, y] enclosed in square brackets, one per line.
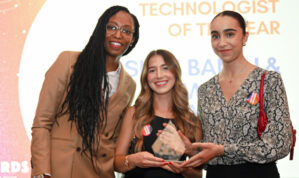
[163, 98]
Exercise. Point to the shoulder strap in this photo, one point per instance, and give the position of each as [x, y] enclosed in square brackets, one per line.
[262, 91]
[262, 120]
[265, 121]
[294, 141]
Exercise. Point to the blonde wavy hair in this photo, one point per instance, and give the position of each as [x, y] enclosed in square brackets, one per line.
[184, 119]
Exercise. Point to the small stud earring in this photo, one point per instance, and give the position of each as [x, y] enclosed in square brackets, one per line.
[244, 44]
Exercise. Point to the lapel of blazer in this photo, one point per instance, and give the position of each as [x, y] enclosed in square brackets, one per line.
[121, 89]
[119, 101]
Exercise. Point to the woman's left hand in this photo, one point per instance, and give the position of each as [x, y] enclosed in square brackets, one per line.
[208, 152]
[174, 167]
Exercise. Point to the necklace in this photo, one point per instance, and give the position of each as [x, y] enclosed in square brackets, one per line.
[230, 81]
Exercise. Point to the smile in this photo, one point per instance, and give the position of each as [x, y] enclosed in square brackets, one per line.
[161, 83]
[116, 44]
[224, 51]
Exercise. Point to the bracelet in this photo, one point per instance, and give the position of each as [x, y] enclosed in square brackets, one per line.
[39, 176]
[126, 161]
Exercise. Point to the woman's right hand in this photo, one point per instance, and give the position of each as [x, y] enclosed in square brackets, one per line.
[187, 143]
[208, 152]
[145, 159]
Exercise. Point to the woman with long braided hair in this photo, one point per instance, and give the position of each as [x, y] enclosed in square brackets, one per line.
[82, 101]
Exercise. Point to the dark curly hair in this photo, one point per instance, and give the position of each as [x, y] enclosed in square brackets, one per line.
[85, 101]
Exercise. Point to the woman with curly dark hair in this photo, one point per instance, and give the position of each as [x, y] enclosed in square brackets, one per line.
[82, 100]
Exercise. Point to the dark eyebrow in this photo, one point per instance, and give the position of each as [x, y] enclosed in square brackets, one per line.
[214, 31]
[225, 30]
[115, 23]
[163, 65]
[229, 29]
[151, 67]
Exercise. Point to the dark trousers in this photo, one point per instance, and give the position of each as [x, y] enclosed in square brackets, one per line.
[247, 170]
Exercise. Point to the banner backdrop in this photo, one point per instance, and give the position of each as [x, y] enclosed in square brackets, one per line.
[34, 32]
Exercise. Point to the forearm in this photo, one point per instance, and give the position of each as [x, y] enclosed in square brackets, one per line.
[123, 163]
[260, 151]
[40, 151]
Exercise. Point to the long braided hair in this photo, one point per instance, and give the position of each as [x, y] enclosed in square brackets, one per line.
[85, 101]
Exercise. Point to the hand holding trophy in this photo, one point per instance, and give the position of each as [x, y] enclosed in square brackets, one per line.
[169, 144]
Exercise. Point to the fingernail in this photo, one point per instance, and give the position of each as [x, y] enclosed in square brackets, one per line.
[162, 160]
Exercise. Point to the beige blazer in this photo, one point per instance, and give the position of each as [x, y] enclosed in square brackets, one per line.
[56, 148]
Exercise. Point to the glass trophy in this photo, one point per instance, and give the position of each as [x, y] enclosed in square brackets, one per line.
[169, 145]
